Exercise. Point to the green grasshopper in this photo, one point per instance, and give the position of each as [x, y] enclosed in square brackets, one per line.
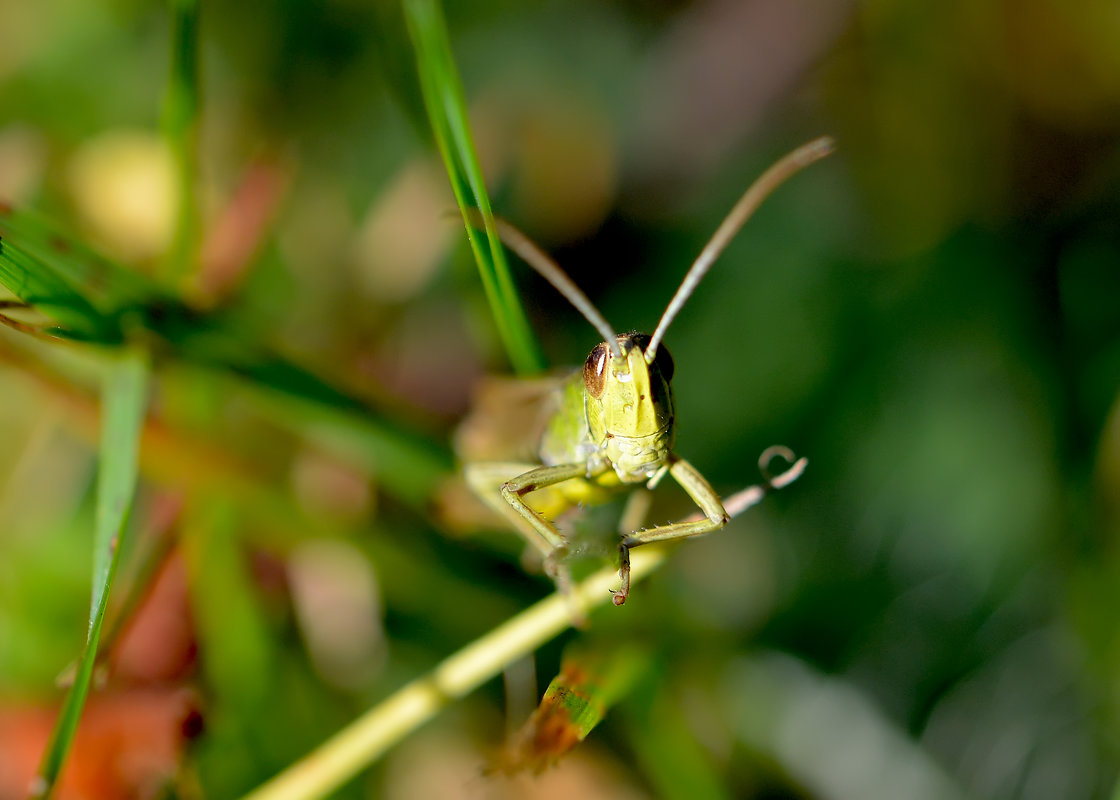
[610, 427]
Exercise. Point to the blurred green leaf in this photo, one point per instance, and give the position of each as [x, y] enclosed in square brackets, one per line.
[226, 607]
[593, 676]
[815, 727]
[62, 263]
[239, 657]
[48, 271]
[674, 762]
[125, 395]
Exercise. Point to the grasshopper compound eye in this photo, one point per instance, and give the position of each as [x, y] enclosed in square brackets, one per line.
[595, 370]
[664, 362]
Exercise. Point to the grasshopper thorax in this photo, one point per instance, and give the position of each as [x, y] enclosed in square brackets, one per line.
[630, 406]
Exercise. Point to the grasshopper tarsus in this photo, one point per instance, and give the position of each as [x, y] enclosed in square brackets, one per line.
[619, 596]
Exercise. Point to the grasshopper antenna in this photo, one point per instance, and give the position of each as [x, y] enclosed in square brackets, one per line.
[548, 269]
[779, 173]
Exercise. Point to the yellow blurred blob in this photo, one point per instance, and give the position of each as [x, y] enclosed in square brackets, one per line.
[123, 185]
[22, 162]
[338, 604]
[404, 239]
[1063, 60]
[566, 171]
[556, 151]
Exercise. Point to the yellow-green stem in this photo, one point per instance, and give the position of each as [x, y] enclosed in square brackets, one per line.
[359, 744]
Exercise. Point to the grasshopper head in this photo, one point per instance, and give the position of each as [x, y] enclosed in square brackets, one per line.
[629, 402]
[630, 406]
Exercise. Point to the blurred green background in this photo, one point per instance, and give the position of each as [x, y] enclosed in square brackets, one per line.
[932, 316]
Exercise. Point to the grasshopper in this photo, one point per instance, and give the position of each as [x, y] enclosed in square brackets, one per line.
[611, 426]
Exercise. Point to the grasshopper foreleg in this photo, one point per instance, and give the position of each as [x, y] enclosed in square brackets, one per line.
[507, 495]
[543, 533]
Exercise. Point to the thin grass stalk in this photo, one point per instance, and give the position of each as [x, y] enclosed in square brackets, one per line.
[124, 400]
[447, 111]
[180, 129]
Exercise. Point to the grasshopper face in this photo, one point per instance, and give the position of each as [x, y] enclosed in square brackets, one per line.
[630, 407]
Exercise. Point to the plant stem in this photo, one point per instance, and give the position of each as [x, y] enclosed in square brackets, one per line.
[362, 742]
[180, 128]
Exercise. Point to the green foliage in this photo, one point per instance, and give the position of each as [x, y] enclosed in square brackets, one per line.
[83, 291]
[929, 317]
[181, 106]
[593, 677]
[97, 300]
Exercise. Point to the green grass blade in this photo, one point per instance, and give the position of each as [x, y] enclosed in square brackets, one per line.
[447, 111]
[241, 654]
[665, 746]
[63, 265]
[32, 282]
[225, 605]
[77, 287]
[180, 128]
[124, 395]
